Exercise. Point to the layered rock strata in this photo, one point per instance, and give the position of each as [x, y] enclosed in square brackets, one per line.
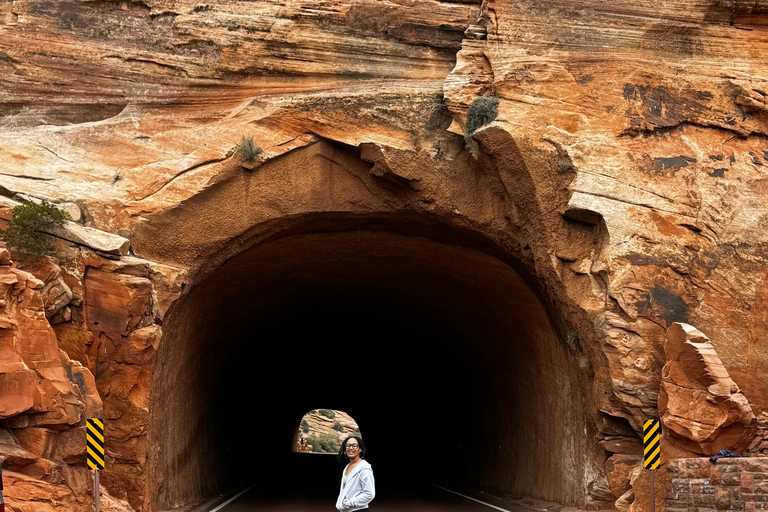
[702, 410]
[46, 398]
[624, 172]
[341, 426]
[99, 312]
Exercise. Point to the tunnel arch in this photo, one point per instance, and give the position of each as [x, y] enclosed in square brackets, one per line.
[452, 326]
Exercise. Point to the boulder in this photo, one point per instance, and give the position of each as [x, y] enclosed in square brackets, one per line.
[115, 303]
[107, 243]
[702, 409]
[11, 454]
[622, 444]
[27, 493]
[759, 445]
[640, 480]
[618, 469]
[35, 440]
[57, 294]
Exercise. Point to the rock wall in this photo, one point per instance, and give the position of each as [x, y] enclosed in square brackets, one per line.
[46, 398]
[702, 410]
[624, 173]
[728, 484]
[101, 313]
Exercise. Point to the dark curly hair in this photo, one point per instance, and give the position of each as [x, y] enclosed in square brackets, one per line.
[342, 458]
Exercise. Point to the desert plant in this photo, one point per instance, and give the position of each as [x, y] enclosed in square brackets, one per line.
[482, 111]
[304, 426]
[25, 229]
[357, 432]
[327, 413]
[324, 443]
[338, 427]
[249, 149]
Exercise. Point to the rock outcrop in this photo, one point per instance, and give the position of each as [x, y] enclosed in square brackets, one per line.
[623, 175]
[99, 312]
[759, 445]
[45, 398]
[314, 423]
[702, 409]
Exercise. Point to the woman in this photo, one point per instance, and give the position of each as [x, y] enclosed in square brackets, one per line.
[357, 486]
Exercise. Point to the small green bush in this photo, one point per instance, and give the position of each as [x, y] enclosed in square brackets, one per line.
[249, 149]
[324, 443]
[482, 111]
[25, 228]
[357, 432]
[327, 413]
[338, 427]
[304, 426]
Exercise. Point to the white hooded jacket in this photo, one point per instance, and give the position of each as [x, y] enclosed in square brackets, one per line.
[357, 487]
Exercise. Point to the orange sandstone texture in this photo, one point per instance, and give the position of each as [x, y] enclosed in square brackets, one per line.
[625, 173]
[45, 398]
[702, 410]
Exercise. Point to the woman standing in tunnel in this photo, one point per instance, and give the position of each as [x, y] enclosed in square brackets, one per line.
[357, 485]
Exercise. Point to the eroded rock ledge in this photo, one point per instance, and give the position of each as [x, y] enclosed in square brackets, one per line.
[624, 174]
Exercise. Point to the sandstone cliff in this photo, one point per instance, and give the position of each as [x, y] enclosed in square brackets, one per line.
[624, 175]
[315, 423]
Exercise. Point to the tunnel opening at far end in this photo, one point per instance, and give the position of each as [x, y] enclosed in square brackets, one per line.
[323, 431]
[427, 344]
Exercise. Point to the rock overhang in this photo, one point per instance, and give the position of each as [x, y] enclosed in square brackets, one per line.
[662, 124]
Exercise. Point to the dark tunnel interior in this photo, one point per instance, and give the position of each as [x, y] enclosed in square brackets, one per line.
[436, 350]
[405, 377]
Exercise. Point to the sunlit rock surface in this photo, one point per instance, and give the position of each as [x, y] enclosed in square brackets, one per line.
[702, 410]
[46, 398]
[624, 178]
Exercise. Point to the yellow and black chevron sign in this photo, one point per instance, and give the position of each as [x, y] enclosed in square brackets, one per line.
[95, 443]
[652, 444]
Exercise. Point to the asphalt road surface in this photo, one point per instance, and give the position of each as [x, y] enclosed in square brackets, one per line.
[420, 497]
[303, 489]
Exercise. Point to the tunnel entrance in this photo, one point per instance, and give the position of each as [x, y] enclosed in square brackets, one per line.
[431, 345]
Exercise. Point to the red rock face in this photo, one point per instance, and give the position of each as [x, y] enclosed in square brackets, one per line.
[45, 400]
[624, 175]
[47, 397]
[701, 408]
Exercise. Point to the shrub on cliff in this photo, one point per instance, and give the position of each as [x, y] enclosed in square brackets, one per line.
[249, 149]
[304, 426]
[25, 229]
[327, 413]
[338, 427]
[482, 111]
[324, 443]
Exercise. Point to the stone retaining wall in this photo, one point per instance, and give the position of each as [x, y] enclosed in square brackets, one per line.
[697, 485]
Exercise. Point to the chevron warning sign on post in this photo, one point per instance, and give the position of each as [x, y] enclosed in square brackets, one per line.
[652, 444]
[95, 443]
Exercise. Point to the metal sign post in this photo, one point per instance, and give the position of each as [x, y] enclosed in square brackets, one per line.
[94, 442]
[96, 491]
[652, 451]
[2, 501]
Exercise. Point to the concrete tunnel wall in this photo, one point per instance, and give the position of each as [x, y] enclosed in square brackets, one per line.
[445, 342]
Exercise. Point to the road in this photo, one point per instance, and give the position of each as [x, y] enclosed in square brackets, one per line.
[302, 488]
[420, 497]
